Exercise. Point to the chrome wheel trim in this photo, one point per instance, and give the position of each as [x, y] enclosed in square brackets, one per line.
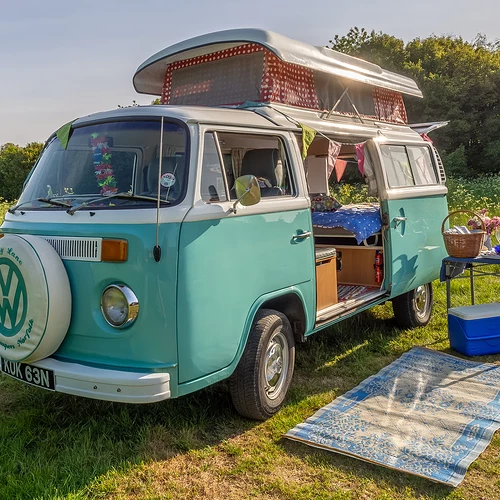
[276, 365]
[421, 301]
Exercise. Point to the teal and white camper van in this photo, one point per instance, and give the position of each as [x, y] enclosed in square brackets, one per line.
[156, 250]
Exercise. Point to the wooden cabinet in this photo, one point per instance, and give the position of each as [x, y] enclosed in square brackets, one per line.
[358, 265]
[326, 277]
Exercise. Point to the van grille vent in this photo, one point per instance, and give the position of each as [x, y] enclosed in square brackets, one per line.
[442, 174]
[72, 248]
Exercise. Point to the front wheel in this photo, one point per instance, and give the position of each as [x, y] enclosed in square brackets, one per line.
[414, 308]
[262, 378]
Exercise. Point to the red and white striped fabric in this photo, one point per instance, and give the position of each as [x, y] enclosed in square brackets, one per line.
[389, 106]
[249, 72]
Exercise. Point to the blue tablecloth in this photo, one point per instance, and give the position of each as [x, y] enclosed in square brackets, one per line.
[362, 220]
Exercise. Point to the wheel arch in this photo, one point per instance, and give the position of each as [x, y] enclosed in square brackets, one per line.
[289, 302]
[278, 301]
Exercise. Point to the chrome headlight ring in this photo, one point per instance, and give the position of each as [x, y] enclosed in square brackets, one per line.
[119, 306]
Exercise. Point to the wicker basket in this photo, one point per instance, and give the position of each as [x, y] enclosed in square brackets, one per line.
[464, 245]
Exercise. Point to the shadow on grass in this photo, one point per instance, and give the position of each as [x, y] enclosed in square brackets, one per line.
[54, 444]
[63, 443]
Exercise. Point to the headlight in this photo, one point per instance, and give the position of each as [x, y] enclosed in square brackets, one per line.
[119, 306]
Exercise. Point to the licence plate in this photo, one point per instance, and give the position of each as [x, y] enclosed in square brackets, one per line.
[34, 375]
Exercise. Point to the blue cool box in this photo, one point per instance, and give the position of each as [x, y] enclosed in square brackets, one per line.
[475, 330]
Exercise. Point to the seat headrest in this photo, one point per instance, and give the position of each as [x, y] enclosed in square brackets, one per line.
[261, 163]
[172, 164]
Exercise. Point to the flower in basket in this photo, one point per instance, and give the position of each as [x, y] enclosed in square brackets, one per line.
[491, 224]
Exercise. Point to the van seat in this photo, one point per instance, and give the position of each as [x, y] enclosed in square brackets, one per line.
[266, 166]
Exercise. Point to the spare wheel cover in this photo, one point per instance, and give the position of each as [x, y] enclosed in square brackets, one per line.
[35, 298]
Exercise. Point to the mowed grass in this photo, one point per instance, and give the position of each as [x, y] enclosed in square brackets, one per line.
[54, 446]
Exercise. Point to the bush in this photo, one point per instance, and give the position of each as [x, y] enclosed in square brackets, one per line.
[16, 163]
[4, 205]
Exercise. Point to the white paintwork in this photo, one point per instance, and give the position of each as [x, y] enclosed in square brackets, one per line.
[280, 120]
[149, 77]
[108, 385]
[415, 191]
[140, 216]
[48, 298]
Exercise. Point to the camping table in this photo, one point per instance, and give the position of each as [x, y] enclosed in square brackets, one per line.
[453, 267]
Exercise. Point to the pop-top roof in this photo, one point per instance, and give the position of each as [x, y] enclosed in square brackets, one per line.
[149, 77]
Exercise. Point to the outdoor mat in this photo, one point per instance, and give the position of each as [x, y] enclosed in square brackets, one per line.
[427, 413]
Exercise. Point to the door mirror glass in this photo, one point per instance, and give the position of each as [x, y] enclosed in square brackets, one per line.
[247, 191]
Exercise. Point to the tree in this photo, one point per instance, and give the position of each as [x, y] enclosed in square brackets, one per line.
[15, 164]
[460, 81]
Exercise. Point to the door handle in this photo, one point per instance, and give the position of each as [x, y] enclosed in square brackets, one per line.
[302, 236]
[397, 220]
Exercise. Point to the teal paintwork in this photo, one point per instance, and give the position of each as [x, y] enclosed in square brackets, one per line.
[302, 290]
[150, 343]
[197, 329]
[225, 267]
[414, 247]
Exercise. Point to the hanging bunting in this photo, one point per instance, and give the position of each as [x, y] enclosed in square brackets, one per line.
[360, 155]
[333, 152]
[308, 135]
[340, 166]
[425, 137]
[63, 134]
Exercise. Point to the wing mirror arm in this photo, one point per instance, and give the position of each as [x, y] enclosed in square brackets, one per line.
[233, 208]
[247, 192]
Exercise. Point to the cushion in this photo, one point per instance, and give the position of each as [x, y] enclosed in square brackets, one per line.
[324, 203]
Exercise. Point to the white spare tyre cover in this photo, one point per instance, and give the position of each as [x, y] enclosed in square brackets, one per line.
[35, 298]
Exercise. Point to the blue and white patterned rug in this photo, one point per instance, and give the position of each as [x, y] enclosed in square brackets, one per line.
[427, 413]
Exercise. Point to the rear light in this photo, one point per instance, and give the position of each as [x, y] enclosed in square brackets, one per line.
[114, 250]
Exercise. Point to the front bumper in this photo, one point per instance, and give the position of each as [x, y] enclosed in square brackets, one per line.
[107, 385]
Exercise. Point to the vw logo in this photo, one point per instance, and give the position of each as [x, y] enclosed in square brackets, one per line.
[13, 298]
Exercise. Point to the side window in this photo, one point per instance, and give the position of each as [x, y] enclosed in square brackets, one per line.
[263, 156]
[408, 166]
[397, 166]
[212, 178]
[421, 164]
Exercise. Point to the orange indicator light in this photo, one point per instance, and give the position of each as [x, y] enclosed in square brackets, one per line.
[114, 250]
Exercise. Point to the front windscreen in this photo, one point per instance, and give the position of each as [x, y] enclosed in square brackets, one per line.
[111, 165]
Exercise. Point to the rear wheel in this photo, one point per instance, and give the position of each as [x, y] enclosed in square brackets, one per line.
[414, 308]
[262, 378]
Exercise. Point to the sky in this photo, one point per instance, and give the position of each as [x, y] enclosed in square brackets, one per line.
[63, 59]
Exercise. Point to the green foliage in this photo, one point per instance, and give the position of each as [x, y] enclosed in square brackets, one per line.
[15, 164]
[460, 81]
[347, 193]
[4, 205]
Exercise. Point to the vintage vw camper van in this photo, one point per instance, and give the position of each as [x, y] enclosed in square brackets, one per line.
[156, 250]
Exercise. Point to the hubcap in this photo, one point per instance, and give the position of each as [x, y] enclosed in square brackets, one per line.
[276, 365]
[421, 300]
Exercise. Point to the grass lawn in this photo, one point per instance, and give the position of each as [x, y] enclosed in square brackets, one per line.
[54, 446]
[58, 446]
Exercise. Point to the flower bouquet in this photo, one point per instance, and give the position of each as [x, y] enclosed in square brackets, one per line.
[491, 224]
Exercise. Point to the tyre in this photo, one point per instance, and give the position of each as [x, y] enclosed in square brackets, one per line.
[35, 298]
[262, 378]
[414, 308]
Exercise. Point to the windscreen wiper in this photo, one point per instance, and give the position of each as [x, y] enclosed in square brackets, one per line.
[121, 196]
[51, 201]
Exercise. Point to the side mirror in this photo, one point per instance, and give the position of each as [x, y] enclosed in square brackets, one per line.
[247, 191]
